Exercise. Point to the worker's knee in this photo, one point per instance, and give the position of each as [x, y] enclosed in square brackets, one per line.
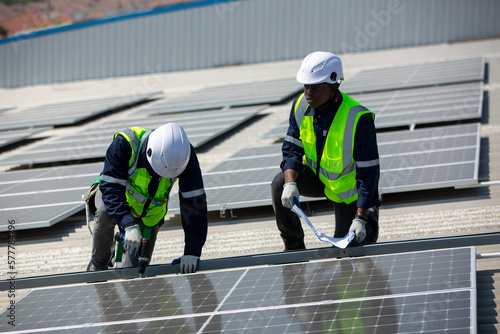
[277, 184]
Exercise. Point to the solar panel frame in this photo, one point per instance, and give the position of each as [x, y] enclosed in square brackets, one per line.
[433, 290]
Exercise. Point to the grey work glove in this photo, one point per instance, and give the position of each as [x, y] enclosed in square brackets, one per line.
[132, 240]
[358, 226]
[290, 191]
[187, 263]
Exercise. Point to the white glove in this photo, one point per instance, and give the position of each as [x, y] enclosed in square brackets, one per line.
[358, 226]
[189, 264]
[132, 240]
[290, 191]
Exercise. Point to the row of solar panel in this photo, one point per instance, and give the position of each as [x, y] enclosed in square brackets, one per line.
[431, 291]
[411, 107]
[392, 109]
[264, 92]
[201, 126]
[448, 158]
[410, 160]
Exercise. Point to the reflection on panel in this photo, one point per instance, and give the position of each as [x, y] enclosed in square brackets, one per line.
[395, 293]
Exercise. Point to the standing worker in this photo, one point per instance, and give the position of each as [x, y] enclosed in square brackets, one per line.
[139, 171]
[330, 149]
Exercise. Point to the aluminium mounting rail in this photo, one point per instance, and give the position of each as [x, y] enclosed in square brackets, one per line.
[257, 259]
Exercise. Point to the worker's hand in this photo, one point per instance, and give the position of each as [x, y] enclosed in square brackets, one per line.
[132, 240]
[358, 226]
[188, 263]
[290, 191]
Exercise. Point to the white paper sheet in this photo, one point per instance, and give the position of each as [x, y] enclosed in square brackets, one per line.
[337, 242]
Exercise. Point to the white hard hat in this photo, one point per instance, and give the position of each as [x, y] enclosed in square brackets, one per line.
[168, 150]
[319, 67]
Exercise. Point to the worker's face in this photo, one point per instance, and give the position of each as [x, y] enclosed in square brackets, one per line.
[318, 95]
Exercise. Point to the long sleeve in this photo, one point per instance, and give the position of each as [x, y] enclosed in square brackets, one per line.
[193, 206]
[113, 181]
[367, 162]
[292, 148]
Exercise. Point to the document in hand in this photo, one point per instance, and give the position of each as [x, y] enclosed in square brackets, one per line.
[337, 242]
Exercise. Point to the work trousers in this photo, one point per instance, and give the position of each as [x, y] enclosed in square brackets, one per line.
[103, 244]
[310, 185]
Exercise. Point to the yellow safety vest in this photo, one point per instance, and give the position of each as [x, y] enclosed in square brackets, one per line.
[138, 181]
[337, 168]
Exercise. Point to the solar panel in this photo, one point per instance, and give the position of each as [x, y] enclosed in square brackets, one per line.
[428, 158]
[416, 75]
[426, 291]
[278, 131]
[228, 96]
[201, 127]
[425, 105]
[14, 136]
[41, 197]
[68, 112]
[6, 108]
[417, 106]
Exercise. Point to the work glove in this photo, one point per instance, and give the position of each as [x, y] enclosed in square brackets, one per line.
[132, 240]
[188, 263]
[358, 226]
[290, 191]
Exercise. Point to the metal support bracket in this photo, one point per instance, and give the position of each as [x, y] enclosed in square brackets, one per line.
[222, 210]
[259, 259]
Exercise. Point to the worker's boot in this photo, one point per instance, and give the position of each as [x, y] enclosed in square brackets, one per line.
[294, 245]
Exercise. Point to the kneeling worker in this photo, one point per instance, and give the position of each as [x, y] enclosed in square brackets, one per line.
[330, 150]
[139, 171]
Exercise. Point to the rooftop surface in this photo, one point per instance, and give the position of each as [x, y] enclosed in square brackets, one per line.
[65, 247]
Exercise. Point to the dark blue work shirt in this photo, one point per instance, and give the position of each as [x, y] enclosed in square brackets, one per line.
[193, 204]
[365, 149]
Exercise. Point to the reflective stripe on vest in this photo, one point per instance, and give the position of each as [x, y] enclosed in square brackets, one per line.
[337, 168]
[136, 188]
